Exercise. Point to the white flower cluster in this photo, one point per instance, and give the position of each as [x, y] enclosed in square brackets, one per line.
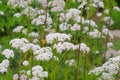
[35, 40]
[40, 20]
[29, 46]
[23, 77]
[57, 5]
[63, 27]
[98, 14]
[57, 36]
[109, 44]
[91, 23]
[116, 8]
[37, 71]
[1, 13]
[18, 3]
[19, 29]
[30, 12]
[17, 43]
[95, 33]
[106, 11]
[43, 54]
[97, 3]
[106, 32]
[15, 77]
[34, 78]
[70, 62]
[73, 14]
[108, 20]
[41, 11]
[8, 53]
[24, 31]
[83, 3]
[60, 47]
[106, 76]
[75, 27]
[17, 15]
[25, 63]
[42, 2]
[34, 35]
[0, 2]
[23, 45]
[108, 69]
[83, 47]
[4, 66]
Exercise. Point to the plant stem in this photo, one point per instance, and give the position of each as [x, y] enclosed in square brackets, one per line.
[57, 27]
[85, 66]
[45, 23]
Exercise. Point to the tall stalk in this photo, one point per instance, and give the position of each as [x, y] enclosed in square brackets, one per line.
[57, 27]
[45, 23]
[85, 64]
[79, 52]
[43, 41]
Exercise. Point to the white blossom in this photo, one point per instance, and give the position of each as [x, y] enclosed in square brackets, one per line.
[23, 77]
[109, 68]
[18, 29]
[15, 77]
[34, 34]
[75, 27]
[1, 13]
[40, 20]
[60, 47]
[38, 72]
[42, 2]
[4, 66]
[18, 3]
[25, 63]
[8, 53]
[70, 62]
[57, 36]
[99, 14]
[29, 11]
[106, 11]
[34, 78]
[83, 47]
[95, 33]
[108, 20]
[116, 8]
[17, 43]
[17, 15]
[63, 27]
[43, 54]
[57, 5]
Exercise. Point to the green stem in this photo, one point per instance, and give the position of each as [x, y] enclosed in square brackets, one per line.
[57, 27]
[85, 66]
[66, 73]
[45, 23]
[31, 61]
[4, 76]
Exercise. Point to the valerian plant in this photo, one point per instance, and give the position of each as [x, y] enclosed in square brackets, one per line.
[57, 40]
